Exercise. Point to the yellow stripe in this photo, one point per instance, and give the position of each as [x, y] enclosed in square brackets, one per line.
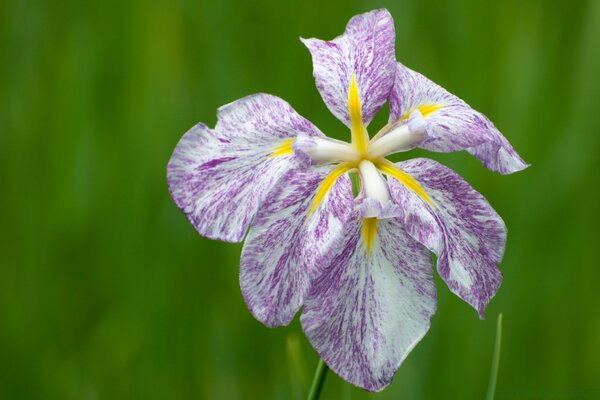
[369, 231]
[327, 184]
[426, 110]
[360, 137]
[388, 168]
[283, 149]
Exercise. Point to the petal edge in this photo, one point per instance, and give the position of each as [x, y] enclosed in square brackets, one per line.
[366, 48]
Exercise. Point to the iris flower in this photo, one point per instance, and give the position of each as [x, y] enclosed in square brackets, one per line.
[359, 267]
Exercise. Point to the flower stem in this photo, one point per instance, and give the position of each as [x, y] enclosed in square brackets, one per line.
[496, 361]
[318, 381]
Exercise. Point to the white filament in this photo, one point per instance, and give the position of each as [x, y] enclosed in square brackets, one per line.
[331, 150]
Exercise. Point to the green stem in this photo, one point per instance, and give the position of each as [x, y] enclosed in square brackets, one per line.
[496, 361]
[318, 381]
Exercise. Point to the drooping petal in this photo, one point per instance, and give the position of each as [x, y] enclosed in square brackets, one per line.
[451, 123]
[366, 49]
[373, 304]
[286, 247]
[220, 177]
[466, 234]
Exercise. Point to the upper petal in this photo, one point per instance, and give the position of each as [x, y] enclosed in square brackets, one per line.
[373, 304]
[451, 123]
[466, 234]
[366, 49]
[286, 248]
[219, 178]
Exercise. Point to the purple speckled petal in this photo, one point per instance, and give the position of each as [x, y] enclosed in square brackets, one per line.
[367, 49]
[455, 125]
[220, 177]
[365, 314]
[466, 234]
[284, 250]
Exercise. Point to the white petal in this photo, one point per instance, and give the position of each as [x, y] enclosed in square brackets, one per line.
[367, 312]
[286, 249]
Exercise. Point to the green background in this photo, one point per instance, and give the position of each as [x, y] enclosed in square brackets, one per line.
[107, 292]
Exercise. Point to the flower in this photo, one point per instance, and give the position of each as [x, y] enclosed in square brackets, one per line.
[360, 267]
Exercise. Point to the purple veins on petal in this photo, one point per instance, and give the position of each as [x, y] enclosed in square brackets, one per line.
[452, 124]
[286, 248]
[219, 178]
[366, 48]
[361, 267]
[463, 230]
[367, 312]
[213, 163]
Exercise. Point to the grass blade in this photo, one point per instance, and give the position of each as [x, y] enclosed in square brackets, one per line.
[495, 361]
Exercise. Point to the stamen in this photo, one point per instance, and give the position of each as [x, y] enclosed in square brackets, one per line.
[360, 137]
[369, 232]
[284, 149]
[388, 168]
[327, 184]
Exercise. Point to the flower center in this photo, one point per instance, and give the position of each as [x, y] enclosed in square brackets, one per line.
[402, 135]
[367, 156]
[363, 154]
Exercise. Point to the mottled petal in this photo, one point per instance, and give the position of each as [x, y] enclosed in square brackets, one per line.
[451, 123]
[366, 49]
[286, 248]
[466, 234]
[220, 177]
[366, 313]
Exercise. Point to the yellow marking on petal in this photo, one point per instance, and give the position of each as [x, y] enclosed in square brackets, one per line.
[388, 168]
[327, 184]
[426, 110]
[360, 137]
[369, 232]
[283, 149]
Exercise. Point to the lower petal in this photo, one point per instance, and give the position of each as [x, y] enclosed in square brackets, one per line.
[286, 248]
[372, 305]
[461, 227]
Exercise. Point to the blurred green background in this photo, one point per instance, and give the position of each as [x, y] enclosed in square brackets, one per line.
[107, 292]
